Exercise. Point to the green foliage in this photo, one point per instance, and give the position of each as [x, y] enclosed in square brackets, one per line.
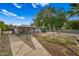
[3, 26]
[7, 27]
[74, 10]
[50, 18]
[43, 30]
[73, 24]
[68, 26]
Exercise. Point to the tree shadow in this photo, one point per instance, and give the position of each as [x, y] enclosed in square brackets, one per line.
[26, 38]
[68, 48]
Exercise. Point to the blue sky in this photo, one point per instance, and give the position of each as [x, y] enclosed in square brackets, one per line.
[17, 14]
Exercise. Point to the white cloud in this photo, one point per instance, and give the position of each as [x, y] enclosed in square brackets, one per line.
[21, 17]
[41, 4]
[34, 5]
[7, 13]
[17, 5]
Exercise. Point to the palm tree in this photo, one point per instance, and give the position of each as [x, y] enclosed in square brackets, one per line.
[74, 9]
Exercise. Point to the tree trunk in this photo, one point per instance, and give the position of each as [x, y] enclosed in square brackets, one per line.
[51, 30]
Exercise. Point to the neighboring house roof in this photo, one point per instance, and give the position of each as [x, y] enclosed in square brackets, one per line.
[27, 26]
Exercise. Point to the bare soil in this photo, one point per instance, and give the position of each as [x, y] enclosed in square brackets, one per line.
[58, 48]
[5, 49]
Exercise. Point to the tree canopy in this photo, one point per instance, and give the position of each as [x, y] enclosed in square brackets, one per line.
[4, 26]
[50, 18]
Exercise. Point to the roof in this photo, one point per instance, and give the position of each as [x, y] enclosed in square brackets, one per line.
[27, 26]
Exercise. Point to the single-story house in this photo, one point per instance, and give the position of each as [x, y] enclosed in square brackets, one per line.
[26, 29]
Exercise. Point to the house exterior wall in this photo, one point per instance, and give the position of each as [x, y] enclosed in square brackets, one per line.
[15, 30]
[23, 30]
[26, 30]
[36, 30]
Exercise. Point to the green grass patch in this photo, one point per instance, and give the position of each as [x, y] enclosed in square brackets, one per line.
[65, 41]
[56, 40]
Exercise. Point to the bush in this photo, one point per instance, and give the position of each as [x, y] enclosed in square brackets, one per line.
[43, 30]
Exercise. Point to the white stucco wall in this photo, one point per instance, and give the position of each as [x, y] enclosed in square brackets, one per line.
[15, 30]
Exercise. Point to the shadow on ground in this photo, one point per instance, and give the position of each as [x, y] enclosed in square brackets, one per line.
[26, 40]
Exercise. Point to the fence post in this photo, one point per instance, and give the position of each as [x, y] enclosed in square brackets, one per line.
[0, 31]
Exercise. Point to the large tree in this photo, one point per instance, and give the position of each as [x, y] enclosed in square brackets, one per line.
[44, 18]
[2, 25]
[75, 24]
[50, 18]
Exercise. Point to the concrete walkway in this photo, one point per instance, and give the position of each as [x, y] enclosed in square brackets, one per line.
[19, 48]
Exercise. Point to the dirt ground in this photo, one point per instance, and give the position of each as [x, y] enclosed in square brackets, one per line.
[56, 48]
[5, 49]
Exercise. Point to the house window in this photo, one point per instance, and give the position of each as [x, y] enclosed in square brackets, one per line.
[33, 28]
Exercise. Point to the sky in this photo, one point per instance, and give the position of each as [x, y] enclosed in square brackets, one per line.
[23, 13]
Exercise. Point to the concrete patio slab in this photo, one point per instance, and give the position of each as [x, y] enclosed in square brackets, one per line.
[19, 48]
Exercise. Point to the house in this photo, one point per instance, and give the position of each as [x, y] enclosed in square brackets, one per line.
[26, 29]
